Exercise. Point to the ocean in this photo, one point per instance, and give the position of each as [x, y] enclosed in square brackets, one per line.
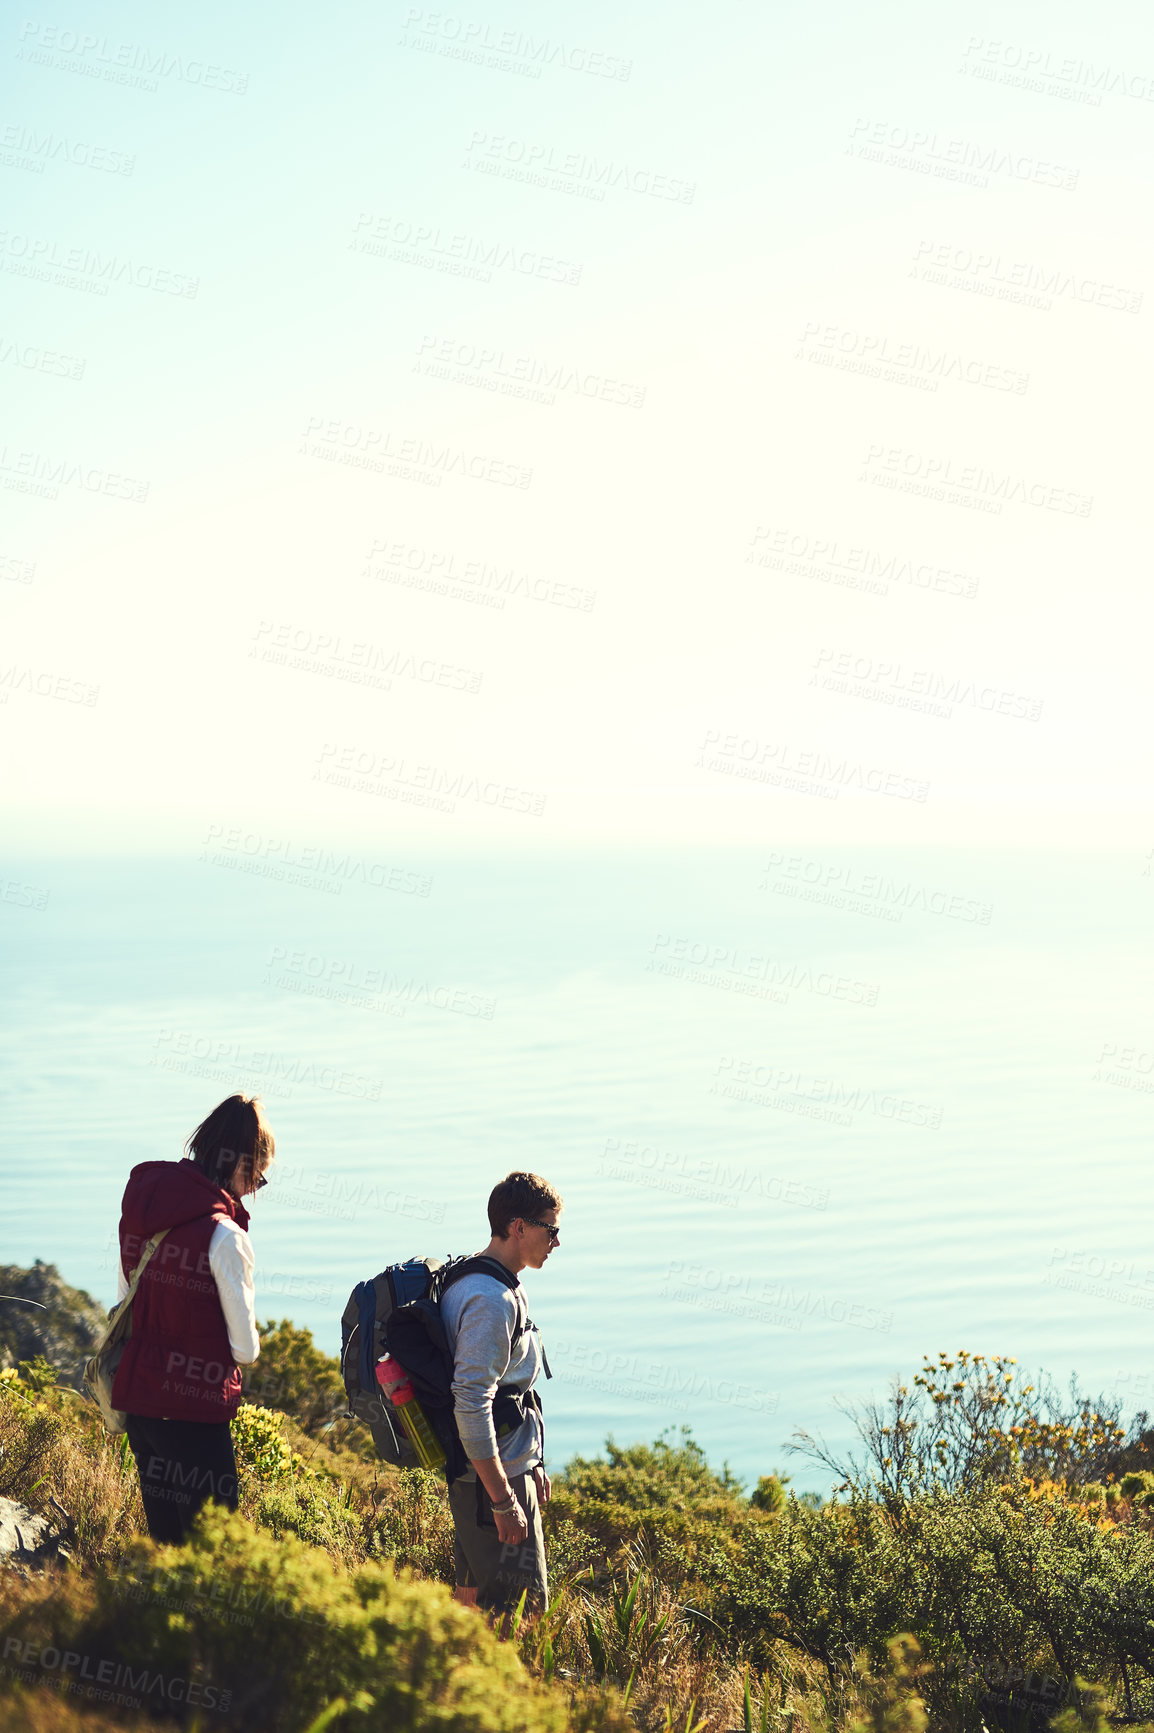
[814, 1112]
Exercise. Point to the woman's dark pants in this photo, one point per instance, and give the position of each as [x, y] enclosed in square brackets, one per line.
[182, 1463]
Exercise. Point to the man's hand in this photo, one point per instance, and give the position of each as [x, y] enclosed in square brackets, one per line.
[543, 1484]
[512, 1526]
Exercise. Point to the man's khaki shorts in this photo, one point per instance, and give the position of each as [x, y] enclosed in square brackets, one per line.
[498, 1572]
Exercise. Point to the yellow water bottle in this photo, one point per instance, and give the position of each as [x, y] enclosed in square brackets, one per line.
[395, 1382]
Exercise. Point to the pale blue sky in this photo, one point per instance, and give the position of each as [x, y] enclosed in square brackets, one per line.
[747, 318]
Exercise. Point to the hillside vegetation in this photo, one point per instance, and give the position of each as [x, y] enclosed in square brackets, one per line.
[988, 1561]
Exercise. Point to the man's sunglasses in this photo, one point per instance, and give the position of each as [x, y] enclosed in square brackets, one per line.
[554, 1233]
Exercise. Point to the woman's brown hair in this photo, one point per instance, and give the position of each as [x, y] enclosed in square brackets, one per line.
[234, 1139]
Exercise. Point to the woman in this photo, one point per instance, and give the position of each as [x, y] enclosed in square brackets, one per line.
[193, 1319]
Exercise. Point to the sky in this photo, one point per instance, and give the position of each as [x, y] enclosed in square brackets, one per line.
[543, 426]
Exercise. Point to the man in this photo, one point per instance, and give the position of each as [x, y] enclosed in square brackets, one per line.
[496, 1504]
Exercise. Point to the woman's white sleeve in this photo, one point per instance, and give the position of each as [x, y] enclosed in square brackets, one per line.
[230, 1258]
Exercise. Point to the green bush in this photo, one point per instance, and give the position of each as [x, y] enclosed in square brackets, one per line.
[769, 1494]
[666, 1492]
[56, 1457]
[28, 1432]
[296, 1377]
[274, 1636]
[994, 1533]
[413, 1525]
[997, 1577]
[283, 1494]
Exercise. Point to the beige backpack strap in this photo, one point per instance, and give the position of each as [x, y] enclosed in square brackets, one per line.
[134, 1279]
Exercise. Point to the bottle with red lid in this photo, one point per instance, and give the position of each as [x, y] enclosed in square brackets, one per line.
[397, 1386]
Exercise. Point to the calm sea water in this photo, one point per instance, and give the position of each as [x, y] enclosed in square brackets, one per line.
[800, 1143]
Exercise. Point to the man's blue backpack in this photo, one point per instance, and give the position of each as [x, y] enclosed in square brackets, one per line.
[399, 1313]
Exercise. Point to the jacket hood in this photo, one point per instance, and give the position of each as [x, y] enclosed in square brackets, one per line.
[166, 1194]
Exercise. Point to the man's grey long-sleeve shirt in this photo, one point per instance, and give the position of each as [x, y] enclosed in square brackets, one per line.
[480, 1315]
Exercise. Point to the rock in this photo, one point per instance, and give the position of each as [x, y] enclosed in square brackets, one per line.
[25, 1538]
[65, 1332]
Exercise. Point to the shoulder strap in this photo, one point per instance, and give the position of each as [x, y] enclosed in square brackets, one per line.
[134, 1279]
[479, 1266]
[485, 1266]
[120, 1317]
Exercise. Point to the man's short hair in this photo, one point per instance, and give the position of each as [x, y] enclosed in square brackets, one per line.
[519, 1194]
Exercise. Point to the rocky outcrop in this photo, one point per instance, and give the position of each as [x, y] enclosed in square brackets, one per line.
[61, 1323]
[25, 1539]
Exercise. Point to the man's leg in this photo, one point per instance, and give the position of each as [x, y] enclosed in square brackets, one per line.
[520, 1569]
[494, 1575]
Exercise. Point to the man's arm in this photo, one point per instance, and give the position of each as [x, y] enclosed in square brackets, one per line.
[480, 1359]
[491, 1473]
